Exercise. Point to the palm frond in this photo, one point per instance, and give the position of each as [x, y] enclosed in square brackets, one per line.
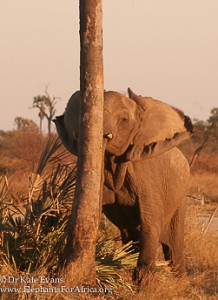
[51, 147]
[29, 238]
[34, 235]
[109, 262]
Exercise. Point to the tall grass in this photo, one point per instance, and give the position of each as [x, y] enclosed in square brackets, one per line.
[33, 234]
[32, 240]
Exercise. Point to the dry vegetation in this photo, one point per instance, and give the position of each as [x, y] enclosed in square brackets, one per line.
[35, 198]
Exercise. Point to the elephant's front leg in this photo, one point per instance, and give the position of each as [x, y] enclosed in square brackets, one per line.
[149, 241]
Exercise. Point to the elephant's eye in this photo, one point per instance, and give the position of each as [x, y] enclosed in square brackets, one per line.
[123, 118]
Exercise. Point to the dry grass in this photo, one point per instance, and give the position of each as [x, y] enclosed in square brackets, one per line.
[204, 184]
[201, 281]
[114, 264]
[201, 252]
[201, 260]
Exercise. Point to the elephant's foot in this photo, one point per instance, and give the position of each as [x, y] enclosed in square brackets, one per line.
[179, 269]
[142, 274]
[142, 277]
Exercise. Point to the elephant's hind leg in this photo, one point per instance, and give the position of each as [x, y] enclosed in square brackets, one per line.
[177, 241]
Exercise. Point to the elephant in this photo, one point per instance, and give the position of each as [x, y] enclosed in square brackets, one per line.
[145, 174]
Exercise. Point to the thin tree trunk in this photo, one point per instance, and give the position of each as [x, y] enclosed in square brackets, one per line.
[49, 127]
[81, 244]
[40, 125]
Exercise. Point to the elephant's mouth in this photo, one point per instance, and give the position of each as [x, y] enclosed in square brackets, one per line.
[113, 146]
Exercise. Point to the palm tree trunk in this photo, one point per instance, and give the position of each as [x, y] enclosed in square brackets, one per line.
[82, 234]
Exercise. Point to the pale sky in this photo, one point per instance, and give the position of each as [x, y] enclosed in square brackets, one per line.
[166, 49]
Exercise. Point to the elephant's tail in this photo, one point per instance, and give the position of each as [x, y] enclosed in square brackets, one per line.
[197, 152]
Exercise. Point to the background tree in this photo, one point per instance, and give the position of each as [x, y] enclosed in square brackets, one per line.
[213, 123]
[19, 150]
[46, 106]
[83, 227]
[200, 125]
[207, 131]
[23, 123]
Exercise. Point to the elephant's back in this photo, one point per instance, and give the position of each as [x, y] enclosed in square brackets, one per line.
[165, 167]
[178, 163]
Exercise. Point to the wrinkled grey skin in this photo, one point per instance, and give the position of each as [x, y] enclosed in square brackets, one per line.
[146, 176]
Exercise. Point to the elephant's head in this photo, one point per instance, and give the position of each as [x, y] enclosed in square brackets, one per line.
[135, 127]
[67, 125]
[139, 128]
[121, 119]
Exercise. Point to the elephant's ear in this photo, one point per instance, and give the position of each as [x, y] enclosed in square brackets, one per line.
[69, 144]
[161, 127]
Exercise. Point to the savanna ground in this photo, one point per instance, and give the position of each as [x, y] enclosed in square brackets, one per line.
[37, 181]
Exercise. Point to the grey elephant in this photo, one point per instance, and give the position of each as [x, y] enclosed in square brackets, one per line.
[145, 174]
